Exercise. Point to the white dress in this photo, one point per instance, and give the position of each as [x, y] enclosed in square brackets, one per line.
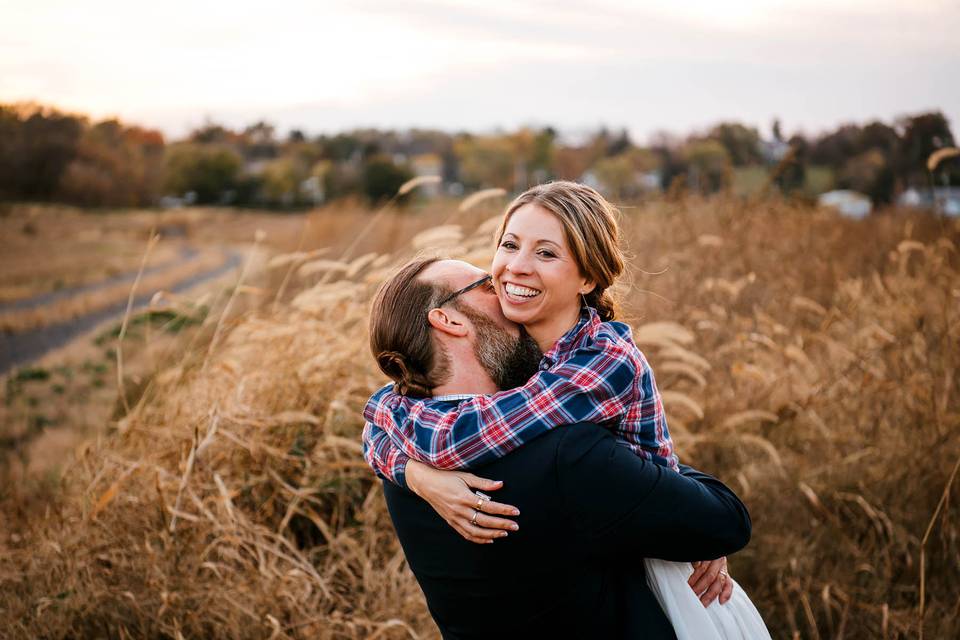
[738, 619]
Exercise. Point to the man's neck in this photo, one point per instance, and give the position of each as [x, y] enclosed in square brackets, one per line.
[466, 377]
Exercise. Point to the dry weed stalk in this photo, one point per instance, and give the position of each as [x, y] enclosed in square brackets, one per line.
[151, 243]
[812, 361]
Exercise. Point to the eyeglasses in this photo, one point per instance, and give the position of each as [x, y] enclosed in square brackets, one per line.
[485, 280]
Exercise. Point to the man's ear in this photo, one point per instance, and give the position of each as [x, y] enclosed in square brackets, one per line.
[447, 323]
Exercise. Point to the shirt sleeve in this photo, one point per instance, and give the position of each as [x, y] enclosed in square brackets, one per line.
[594, 384]
[384, 456]
[644, 428]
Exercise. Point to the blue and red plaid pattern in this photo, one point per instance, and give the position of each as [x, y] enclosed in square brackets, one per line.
[594, 373]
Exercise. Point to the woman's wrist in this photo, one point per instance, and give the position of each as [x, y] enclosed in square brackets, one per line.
[413, 474]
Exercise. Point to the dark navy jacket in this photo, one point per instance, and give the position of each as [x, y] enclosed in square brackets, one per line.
[590, 511]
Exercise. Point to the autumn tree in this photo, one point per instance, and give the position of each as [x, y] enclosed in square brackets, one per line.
[36, 146]
[922, 135]
[709, 168]
[486, 161]
[209, 171]
[382, 178]
[741, 142]
[870, 173]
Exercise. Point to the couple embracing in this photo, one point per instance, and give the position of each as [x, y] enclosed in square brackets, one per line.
[523, 377]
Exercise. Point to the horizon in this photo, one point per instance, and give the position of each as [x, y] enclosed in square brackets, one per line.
[464, 66]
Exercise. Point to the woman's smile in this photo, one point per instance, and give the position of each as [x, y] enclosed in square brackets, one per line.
[519, 294]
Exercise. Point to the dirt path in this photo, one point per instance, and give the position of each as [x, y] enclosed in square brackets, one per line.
[184, 255]
[23, 347]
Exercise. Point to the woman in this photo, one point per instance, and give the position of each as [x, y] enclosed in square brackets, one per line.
[557, 255]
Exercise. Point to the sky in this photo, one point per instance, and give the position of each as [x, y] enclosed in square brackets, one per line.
[480, 65]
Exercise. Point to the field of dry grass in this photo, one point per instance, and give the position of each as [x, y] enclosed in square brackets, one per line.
[807, 360]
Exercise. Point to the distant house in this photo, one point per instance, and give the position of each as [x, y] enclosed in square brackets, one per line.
[634, 184]
[650, 180]
[851, 204]
[590, 179]
[773, 151]
[944, 199]
[256, 167]
[427, 164]
[313, 191]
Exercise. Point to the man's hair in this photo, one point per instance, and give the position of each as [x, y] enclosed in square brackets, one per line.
[400, 336]
[590, 225]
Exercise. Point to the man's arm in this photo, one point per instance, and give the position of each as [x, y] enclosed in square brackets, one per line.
[617, 501]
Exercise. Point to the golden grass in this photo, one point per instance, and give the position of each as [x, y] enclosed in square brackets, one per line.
[807, 360]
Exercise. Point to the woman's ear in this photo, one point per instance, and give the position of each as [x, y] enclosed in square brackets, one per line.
[587, 287]
[448, 323]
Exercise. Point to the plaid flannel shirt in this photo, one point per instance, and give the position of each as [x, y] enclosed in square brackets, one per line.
[594, 373]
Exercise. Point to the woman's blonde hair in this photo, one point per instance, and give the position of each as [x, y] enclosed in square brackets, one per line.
[590, 225]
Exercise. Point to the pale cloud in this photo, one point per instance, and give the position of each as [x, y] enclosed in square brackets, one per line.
[467, 64]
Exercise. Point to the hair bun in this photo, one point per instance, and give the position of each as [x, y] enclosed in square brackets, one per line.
[393, 363]
[406, 382]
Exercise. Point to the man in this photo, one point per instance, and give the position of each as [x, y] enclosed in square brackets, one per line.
[589, 509]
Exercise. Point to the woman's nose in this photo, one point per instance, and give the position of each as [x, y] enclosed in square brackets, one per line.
[519, 263]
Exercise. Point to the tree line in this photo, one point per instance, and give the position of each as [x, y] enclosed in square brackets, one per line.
[49, 155]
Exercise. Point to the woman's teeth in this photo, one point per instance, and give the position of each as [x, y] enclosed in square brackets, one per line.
[523, 292]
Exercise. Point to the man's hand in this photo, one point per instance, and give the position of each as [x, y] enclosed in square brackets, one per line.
[450, 494]
[710, 579]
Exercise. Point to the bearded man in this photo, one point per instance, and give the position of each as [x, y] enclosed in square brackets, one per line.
[586, 509]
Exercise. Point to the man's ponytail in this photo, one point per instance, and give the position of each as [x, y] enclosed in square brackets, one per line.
[406, 382]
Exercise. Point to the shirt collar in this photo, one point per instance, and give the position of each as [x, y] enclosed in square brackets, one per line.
[588, 320]
[451, 397]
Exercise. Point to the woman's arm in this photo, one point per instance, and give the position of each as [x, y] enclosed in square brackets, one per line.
[452, 496]
[383, 456]
[448, 492]
[644, 427]
[595, 384]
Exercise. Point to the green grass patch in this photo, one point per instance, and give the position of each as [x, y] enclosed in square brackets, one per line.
[748, 181]
[39, 421]
[30, 374]
[167, 321]
[818, 180]
[65, 371]
[97, 368]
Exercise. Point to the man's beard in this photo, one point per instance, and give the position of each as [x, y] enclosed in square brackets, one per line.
[509, 361]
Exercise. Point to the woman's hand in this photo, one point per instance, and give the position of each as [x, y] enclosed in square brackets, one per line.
[450, 494]
[710, 579]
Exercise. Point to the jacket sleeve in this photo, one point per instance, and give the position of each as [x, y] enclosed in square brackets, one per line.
[617, 503]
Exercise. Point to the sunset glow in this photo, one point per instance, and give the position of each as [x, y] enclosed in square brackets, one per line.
[326, 65]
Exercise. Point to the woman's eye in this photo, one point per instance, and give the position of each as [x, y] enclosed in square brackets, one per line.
[547, 254]
[506, 244]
